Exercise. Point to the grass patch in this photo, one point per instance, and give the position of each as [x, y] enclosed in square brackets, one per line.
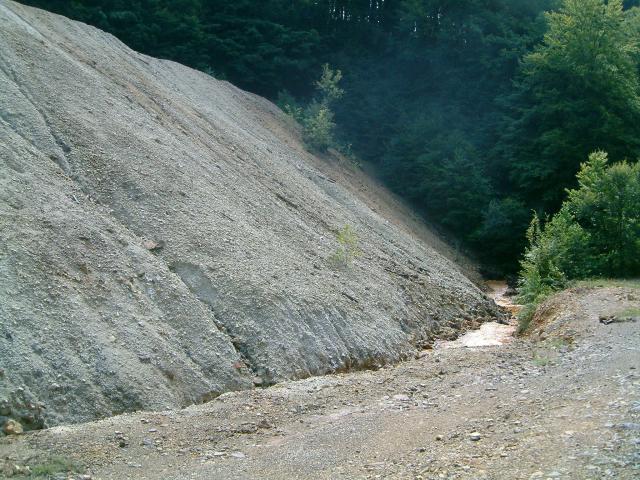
[541, 360]
[525, 315]
[550, 349]
[53, 466]
[629, 312]
[557, 343]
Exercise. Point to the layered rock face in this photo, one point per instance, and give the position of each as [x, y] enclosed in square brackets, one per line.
[165, 237]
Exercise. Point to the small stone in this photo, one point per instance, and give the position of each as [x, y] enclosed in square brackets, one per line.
[238, 455]
[439, 438]
[247, 428]
[12, 427]
[152, 245]
[264, 423]
[144, 358]
[475, 436]
[402, 398]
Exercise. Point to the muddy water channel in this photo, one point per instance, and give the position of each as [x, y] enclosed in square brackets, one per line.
[490, 333]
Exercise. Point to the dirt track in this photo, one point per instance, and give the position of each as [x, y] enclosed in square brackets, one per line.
[567, 406]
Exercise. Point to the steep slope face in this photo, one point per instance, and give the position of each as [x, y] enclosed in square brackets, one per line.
[165, 237]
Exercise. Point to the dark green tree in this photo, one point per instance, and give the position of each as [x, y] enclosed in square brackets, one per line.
[578, 92]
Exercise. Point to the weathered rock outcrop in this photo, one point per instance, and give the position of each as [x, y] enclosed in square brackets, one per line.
[165, 237]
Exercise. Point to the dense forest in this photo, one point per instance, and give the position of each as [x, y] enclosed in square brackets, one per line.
[477, 111]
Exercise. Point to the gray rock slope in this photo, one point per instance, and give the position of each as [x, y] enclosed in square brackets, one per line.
[165, 237]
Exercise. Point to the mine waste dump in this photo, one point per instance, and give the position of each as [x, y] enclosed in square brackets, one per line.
[190, 288]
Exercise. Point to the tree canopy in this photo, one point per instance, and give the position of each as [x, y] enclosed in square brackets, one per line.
[578, 92]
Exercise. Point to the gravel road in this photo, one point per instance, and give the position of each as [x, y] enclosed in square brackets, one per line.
[562, 403]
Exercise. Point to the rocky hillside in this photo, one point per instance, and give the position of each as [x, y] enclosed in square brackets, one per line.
[165, 237]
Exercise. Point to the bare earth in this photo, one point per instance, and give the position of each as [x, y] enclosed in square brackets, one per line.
[562, 404]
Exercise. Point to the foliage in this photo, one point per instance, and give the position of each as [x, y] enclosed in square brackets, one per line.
[329, 85]
[431, 176]
[497, 234]
[317, 119]
[607, 204]
[606, 282]
[348, 154]
[54, 466]
[348, 248]
[578, 92]
[289, 105]
[318, 126]
[596, 233]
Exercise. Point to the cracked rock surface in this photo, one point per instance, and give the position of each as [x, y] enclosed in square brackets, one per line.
[165, 237]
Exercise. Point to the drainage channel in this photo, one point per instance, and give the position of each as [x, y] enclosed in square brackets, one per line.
[490, 334]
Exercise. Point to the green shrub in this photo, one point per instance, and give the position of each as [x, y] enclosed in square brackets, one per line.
[329, 85]
[317, 118]
[348, 248]
[607, 205]
[596, 233]
[318, 126]
[290, 106]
